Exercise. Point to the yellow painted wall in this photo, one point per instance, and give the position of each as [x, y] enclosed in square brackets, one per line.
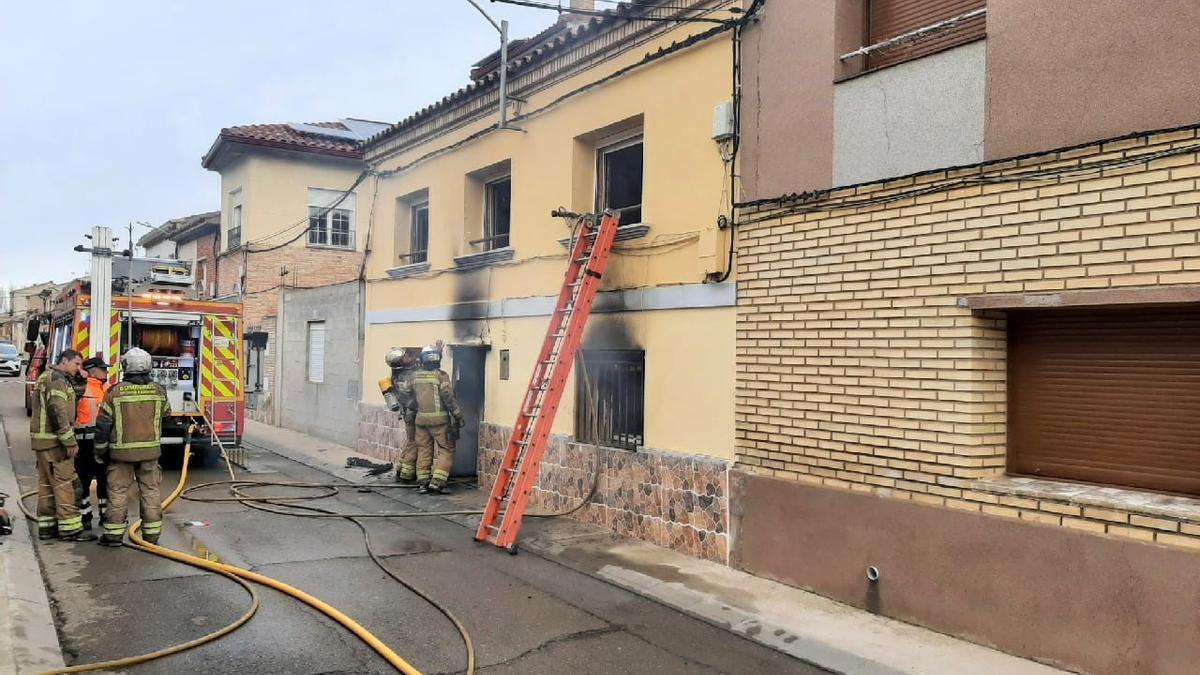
[275, 193]
[689, 364]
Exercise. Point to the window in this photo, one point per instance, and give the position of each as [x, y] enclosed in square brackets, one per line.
[316, 351]
[235, 220]
[497, 213]
[418, 249]
[887, 19]
[330, 218]
[610, 398]
[619, 179]
[1106, 395]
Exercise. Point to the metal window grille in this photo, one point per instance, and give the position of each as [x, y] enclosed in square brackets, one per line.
[610, 398]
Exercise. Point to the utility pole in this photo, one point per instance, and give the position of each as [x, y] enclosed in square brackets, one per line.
[502, 27]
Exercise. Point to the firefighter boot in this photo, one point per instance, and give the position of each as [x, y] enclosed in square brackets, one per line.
[81, 535]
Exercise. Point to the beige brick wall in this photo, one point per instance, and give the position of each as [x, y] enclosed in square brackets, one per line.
[857, 368]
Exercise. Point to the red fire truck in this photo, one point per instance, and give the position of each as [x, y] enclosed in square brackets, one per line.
[196, 347]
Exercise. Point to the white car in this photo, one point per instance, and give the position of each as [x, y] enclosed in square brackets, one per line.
[10, 359]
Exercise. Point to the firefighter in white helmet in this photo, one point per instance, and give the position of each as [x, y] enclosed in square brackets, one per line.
[128, 440]
[398, 394]
[437, 419]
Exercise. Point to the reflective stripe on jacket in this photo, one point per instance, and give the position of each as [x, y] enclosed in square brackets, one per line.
[433, 398]
[51, 424]
[129, 426]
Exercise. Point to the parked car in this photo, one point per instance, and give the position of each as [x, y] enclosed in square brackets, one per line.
[10, 359]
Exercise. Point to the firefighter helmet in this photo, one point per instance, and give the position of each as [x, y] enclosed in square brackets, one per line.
[395, 358]
[431, 357]
[136, 362]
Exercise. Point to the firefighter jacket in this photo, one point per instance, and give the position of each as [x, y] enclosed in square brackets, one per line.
[52, 424]
[433, 399]
[129, 426]
[402, 382]
[88, 407]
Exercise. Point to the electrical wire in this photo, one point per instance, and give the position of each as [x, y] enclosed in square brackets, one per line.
[307, 221]
[616, 13]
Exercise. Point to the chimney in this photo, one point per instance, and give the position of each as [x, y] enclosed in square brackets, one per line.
[575, 19]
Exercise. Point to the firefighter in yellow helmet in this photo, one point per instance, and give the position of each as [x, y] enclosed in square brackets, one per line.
[52, 437]
[437, 419]
[403, 364]
[128, 440]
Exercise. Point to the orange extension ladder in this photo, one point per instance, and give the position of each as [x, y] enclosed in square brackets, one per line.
[518, 472]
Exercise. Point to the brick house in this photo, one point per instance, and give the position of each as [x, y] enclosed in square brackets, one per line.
[195, 238]
[289, 218]
[967, 333]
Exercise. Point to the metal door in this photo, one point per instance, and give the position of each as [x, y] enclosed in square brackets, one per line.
[468, 377]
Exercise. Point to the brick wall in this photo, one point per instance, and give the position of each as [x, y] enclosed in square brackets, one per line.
[857, 367]
[206, 251]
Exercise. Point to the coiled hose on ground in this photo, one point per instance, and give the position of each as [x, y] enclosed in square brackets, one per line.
[280, 505]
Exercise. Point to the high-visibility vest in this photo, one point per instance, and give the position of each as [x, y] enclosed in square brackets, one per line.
[89, 404]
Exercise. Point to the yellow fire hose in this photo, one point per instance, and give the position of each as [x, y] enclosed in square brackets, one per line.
[236, 573]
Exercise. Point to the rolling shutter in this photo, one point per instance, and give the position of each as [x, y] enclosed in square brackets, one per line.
[316, 351]
[889, 18]
[1106, 396]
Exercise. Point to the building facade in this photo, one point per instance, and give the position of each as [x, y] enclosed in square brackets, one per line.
[290, 218]
[611, 114]
[196, 239]
[967, 372]
[24, 303]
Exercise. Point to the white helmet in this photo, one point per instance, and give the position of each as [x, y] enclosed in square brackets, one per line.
[395, 358]
[136, 362]
[431, 356]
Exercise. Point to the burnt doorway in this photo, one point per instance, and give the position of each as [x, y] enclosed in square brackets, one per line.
[468, 381]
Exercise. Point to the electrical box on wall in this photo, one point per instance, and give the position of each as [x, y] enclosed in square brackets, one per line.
[723, 121]
[504, 364]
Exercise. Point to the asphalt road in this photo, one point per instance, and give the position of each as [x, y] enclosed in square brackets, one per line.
[525, 614]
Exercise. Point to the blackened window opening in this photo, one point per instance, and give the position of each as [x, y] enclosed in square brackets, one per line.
[610, 398]
[620, 180]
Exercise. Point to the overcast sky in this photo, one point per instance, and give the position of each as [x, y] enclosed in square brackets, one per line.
[107, 107]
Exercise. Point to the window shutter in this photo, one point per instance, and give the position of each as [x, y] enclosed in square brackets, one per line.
[1106, 396]
[316, 352]
[889, 18]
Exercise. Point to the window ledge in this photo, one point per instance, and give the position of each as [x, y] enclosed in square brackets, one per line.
[474, 261]
[1080, 494]
[624, 233]
[408, 270]
[331, 247]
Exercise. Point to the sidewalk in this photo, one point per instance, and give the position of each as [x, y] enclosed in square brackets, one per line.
[805, 625]
[28, 640]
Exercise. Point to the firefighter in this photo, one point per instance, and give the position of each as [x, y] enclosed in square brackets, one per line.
[128, 440]
[437, 420]
[95, 372]
[52, 436]
[403, 365]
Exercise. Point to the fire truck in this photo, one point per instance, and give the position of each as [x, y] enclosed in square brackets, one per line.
[196, 346]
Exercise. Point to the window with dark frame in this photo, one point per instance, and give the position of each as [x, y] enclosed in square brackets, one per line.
[418, 249]
[497, 213]
[235, 226]
[610, 398]
[619, 179]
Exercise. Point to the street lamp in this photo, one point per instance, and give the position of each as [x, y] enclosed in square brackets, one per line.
[502, 27]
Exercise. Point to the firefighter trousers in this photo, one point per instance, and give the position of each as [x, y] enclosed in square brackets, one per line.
[435, 454]
[407, 466]
[56, 509]
[121, 477]
[88, 470]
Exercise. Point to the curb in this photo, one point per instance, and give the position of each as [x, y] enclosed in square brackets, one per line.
[28, 637]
